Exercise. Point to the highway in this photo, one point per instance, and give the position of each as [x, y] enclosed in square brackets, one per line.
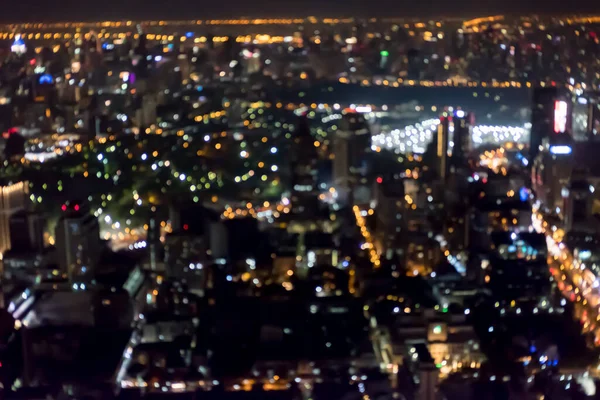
[577, 283]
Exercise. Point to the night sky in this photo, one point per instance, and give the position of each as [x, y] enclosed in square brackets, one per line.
[93, 10]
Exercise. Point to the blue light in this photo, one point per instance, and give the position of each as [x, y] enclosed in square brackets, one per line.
[189, 34]
[45, 79]
[200, 88]
[532, 349]
[523, 194]
[561, 150]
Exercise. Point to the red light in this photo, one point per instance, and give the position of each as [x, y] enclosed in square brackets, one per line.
[484, 180]
[32, 61]
[186, 227]
[560, 116]
[64, 207]
[379, 179]
[76, 207]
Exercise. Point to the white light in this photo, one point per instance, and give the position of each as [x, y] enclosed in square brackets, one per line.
[206, 138]
[561, 149]
[144, 156]
[363, 109]
[273, 150]
[274, 168]
[467, 311]
[460, 114]
[100, 157]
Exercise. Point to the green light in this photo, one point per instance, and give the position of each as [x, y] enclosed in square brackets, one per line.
[438, 365]
[437, 329]
[384, 53]
[445, 309]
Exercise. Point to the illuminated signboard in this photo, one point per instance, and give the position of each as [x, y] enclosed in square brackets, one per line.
[45, 79]
[560, 150]
[560, 116]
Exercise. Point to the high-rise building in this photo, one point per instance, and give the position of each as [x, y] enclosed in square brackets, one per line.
[552, 169]
[12, 200]
[155, 248]
[351, 144]
[304, 168]
[578, 203]
[586, 117]
[77, 239]
[441, 138]
[463, 132]
[550, 115]
[27, 231]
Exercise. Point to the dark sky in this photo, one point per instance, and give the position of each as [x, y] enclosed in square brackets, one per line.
[66, 10]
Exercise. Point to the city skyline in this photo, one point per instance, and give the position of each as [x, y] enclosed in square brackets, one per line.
[36, 10]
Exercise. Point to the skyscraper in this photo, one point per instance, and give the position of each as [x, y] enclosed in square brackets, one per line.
[351, 144]
[155, 250]
[304, 167]
[441, 138]
[463, 132]
[77, 240]
[27, 231]
[12, 200]
[550, 114]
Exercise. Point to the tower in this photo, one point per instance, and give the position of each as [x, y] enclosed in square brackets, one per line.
[155, 249]
[351, 144]
[578, 202]
[440, 142]
[550, 114]
[12, 200]
[27, 231]
[463, 132]
[303, 165]
[77, 238]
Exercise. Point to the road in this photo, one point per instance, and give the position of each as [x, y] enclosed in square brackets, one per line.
[576, 282]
